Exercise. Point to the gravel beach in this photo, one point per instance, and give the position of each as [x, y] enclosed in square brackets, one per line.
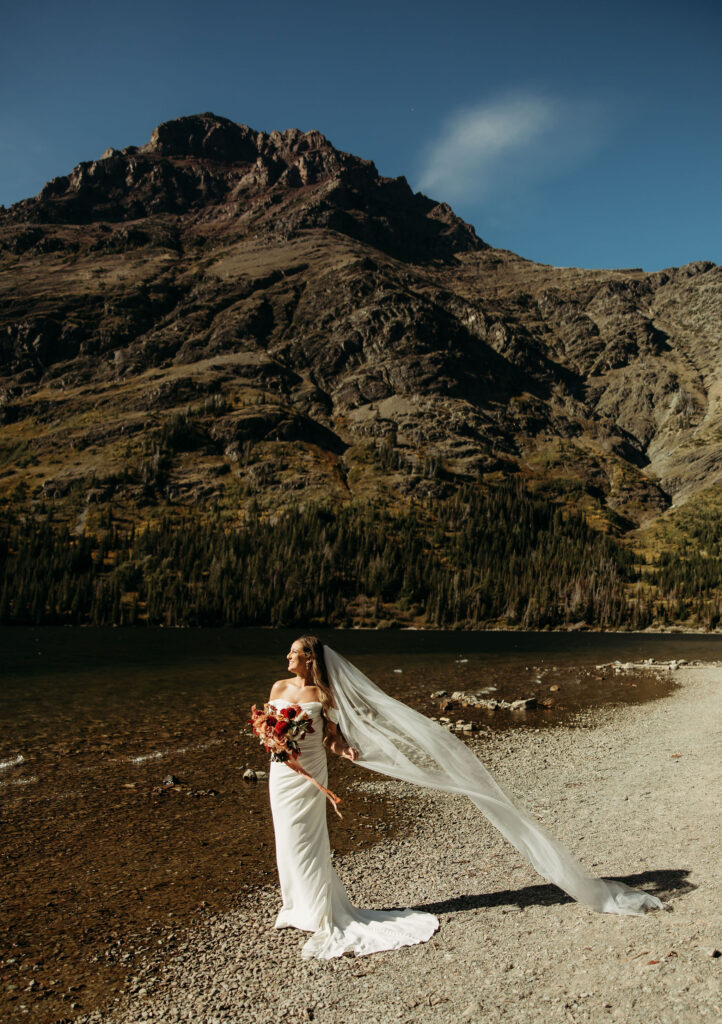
[633, 792]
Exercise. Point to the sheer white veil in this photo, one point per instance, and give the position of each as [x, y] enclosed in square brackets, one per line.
[396, 740]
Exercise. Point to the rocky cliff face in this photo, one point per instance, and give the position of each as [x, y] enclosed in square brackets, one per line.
[223, 313]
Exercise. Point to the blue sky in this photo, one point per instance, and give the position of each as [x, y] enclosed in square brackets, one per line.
[574, 134]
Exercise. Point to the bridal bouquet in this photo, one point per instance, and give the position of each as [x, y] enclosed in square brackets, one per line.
[280, 732]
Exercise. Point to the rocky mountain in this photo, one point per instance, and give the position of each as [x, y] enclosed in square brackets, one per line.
[223, 314]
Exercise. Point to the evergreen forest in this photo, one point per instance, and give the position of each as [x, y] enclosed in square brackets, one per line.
[484, 557]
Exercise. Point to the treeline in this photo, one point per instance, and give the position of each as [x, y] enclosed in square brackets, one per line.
[690, 578]
[486, 555]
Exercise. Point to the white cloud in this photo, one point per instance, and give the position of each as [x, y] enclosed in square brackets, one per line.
[482, 148]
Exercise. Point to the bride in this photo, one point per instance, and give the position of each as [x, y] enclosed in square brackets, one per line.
[313, 897]
[355, 719]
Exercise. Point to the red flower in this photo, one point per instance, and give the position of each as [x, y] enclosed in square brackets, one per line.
[291, 712]
[271, 721]
[280, 728]
[287, 713]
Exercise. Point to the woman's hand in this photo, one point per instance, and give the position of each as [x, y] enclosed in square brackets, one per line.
[337, 744]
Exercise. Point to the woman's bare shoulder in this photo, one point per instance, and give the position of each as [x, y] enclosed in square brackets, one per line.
[279, 688]
[283, 689]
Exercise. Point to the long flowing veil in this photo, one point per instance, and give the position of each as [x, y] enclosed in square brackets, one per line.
[396, 740]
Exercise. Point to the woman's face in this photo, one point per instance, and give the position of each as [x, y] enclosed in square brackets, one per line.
[296, 658]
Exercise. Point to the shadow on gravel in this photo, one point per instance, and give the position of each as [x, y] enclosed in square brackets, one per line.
[664, 883]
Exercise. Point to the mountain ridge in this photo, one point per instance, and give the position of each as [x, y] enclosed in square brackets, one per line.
[224, 315]
[201, 161]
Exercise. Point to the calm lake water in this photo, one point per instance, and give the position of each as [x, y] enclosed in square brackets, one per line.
[129, 693]
[100, 860]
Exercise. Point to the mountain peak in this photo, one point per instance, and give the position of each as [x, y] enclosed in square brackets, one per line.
[272, 184]
[204, 136]
[209, 136]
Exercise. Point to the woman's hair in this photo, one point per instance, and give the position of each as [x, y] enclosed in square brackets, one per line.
[313, 650]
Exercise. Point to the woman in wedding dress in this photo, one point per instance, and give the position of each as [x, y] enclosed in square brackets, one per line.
[355, 719]
[313, 897]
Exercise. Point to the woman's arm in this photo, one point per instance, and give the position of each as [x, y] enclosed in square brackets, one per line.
[335, 742]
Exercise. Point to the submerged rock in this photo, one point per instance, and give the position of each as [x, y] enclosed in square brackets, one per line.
[523, 705]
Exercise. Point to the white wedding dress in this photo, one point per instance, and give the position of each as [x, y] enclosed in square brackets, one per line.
[314, 899]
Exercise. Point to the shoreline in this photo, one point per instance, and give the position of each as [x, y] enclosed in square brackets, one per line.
[631, 791]
[651, 631]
